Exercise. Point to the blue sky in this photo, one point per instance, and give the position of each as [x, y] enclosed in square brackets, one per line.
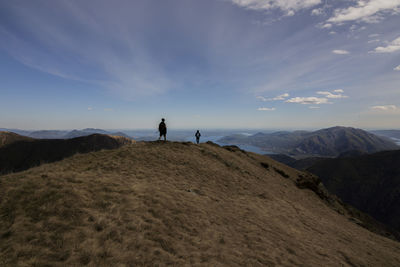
[199, 63]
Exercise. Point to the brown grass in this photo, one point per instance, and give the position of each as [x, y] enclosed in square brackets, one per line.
[156, 204]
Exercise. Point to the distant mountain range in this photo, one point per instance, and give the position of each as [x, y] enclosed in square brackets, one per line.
[388, 133]
[63, 134]
[330, 142]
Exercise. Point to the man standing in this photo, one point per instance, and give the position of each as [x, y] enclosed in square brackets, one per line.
[162, 128]
[197, 136]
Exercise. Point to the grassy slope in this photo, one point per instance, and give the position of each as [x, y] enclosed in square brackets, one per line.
[174, 203]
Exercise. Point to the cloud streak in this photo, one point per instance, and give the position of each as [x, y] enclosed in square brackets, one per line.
[340, 52]
[385, 108]
[287, 6]
[308, 100]
[367, 11]
[393, 46]
[331, 95]
[266, 109]
[279, 97]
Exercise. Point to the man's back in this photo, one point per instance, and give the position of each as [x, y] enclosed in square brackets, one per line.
[162, 127]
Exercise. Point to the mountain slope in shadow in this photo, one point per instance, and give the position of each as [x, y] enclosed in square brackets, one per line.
[156, 203]
[7, 138]
[370, 183]
[22, 155]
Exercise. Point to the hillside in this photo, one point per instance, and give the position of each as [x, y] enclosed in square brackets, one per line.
[370, 183]
[23, 154]
[9, 137]
[159, 203]
[330, 142]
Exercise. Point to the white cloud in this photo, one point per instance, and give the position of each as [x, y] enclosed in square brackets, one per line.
[332, 32]
[373, 41]
[287, 6]
[373, 35]
[89, 108]
[397, 68]
[338, 91]
[390, 48]
[290, 13]
[326, 26]
[317, 11]
[384, 108]
[266, 109]
[308, 100]
[330, 95]
[340, 52]
[279, 97]
[368, 11]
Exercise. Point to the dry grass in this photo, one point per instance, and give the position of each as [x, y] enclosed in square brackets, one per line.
[175, 204]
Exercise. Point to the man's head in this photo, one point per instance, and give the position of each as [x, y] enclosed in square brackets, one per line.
[162, 119]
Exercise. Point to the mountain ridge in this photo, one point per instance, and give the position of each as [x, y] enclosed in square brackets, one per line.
[155, 203]
[329, 142]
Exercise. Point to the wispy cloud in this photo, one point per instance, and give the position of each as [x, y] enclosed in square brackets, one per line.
[368, 11]
[102, 52]
[89, 108]
[266, 109]
[287, 6]
[108, 109]
[397, 68]
[390, 48]
[317, 11]
[323, 25]
[313, 107]
[331, 95]
[374, 41]
[385, 108]
[340, 52]
[279, 97]
[308, 100]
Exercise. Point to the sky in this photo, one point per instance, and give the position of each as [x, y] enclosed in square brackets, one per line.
[259, 64]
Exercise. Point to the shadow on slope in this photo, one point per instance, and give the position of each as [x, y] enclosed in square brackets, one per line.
[370, 183]
[7, 138]
[22, 155]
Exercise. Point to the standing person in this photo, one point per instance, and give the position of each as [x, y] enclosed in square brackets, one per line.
[162, 128]
[197, 136]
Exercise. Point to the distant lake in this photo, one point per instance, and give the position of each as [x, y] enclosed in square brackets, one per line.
[396, 140]
[214, 139]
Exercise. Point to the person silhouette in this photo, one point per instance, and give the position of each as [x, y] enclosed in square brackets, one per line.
[162, 128]
[197, 134]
